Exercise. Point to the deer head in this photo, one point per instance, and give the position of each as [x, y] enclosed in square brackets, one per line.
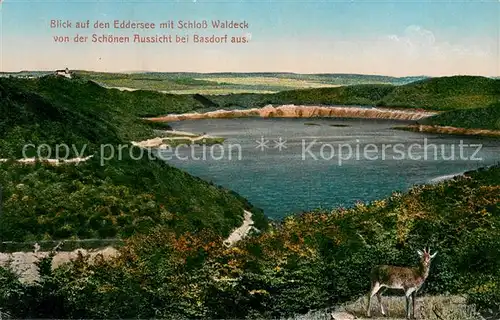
[426, 256]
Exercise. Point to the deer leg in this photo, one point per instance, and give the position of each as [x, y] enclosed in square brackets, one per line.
[373, 291]
[413, 296]
[379, 297]
[408, 297]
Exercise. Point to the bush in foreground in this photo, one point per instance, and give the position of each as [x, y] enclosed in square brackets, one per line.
[309, 261]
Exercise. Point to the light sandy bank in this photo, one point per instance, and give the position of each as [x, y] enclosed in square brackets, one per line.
[242, 231]
[298, 111]
[164, 142]
[54, 162]
[451, 130]
[122, 88]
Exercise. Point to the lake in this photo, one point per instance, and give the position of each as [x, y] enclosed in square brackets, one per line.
[285, 166]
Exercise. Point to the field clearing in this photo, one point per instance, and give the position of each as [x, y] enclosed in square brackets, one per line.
[270, 81]
[212, 85]
[167, 86]
[233, 83]
[218, 91]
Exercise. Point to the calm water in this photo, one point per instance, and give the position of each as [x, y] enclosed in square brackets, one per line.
[306, 174]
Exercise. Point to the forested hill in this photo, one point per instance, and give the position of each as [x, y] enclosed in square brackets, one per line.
[57, 110]
[89, 200]
[444, 93]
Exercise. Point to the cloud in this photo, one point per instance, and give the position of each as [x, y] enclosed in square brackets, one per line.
[416, 40]
[417, 35]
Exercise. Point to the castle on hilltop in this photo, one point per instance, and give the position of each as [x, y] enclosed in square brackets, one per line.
[63, 73]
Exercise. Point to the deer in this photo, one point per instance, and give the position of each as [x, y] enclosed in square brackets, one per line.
[408, 279]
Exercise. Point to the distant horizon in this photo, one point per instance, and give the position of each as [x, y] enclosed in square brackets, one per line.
[397, 39]
[262, 72]
[258, 72]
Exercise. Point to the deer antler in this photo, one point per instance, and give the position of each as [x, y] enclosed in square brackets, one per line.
[433, 255]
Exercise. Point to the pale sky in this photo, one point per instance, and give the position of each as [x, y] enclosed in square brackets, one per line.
[370, 37]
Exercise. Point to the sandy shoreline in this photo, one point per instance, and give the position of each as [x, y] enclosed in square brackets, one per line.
[174, 136]
[451, 130]
[54, 162]
[300, 111]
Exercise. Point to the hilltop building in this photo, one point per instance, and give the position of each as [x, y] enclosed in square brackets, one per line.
[63, 73]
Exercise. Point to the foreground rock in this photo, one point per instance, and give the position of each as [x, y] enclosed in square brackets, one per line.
[427, 307]
[24, 263]
[444, 307]
[342, 316]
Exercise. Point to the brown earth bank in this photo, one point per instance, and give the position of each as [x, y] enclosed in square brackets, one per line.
[298, 111]
[451, 130]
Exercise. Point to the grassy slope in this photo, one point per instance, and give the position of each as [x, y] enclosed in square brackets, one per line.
[467, 102]
[445, 93]
[476, 118]
[90, 200]
[350, 95]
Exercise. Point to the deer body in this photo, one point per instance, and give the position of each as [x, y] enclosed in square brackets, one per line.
[408, 279]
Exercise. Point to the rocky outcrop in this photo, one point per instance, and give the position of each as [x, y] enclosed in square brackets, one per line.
[294, 111]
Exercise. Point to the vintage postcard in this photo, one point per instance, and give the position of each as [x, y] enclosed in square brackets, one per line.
[234, 159]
